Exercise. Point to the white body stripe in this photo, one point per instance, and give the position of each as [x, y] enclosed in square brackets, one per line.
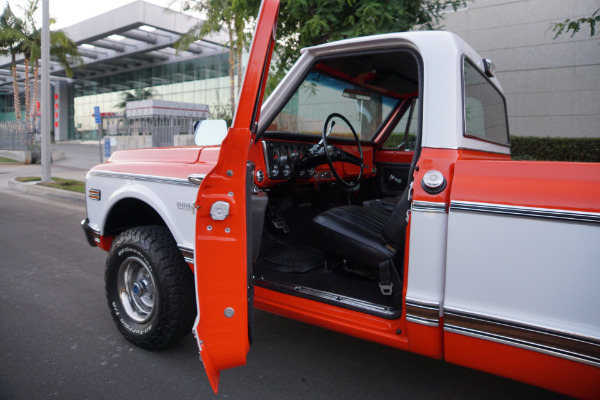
[523, 269]
[427, 257]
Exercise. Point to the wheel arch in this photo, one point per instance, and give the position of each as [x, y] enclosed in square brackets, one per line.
[129, 212]
[147, 204]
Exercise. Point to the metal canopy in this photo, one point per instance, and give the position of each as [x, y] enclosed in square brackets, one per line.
[131, 37]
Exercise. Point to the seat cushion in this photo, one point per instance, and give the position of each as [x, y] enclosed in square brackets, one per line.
[354, 233]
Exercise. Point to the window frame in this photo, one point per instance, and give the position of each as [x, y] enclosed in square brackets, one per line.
[376, 138]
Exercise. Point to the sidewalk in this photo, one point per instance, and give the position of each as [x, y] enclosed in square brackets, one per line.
[74, 162]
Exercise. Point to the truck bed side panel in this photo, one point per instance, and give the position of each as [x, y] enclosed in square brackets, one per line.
[523, 262]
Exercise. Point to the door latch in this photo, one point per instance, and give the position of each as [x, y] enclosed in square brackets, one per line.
[219, 210]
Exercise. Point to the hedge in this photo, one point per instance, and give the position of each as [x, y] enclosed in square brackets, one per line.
[555, 149]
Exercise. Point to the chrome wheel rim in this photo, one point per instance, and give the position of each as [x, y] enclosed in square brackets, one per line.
[136, 288]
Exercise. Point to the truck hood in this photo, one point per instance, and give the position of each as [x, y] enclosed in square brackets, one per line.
[174, 162]
[178, 155]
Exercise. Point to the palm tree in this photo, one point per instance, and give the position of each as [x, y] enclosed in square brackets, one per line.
[138, 94]
[62, 49]
[30, 47]
[11, 37]
[21, 36]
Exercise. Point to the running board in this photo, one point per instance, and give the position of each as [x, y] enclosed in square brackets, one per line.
[330, 298]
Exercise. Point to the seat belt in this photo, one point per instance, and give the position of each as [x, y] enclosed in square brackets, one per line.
[385, 277]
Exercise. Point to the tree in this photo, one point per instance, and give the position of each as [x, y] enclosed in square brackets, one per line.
[21, 36]
[62, 49]
[11, 37]
[233, 16]
[30, 47]
[138, 94]
[304, 23]
[575, 26]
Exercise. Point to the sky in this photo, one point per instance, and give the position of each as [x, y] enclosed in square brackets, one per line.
[69, 12]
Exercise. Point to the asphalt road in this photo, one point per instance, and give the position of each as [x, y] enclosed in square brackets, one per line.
[57, 339]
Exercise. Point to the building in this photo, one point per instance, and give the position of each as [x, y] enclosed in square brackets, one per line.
[552, 86]
[129, 53]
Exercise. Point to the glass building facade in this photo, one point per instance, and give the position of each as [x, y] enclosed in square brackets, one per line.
[203, 80]
[7, 107]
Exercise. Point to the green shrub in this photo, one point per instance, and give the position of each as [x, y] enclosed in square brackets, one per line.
[555, 149]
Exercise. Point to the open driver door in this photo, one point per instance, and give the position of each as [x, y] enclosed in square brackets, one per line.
[222, 258]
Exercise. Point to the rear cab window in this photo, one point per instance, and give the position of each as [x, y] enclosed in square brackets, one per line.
[484, 107]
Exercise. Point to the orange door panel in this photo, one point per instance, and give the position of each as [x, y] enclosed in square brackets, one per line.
[223, 292]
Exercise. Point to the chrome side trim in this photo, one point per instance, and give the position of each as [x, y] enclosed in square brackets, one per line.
[145, 178]
[187, 253]
[422, 321]
[320, 294]
[423, 303]
[460, 311]
[429, 206]
[570, 346]
[422, 312]
[530, 212]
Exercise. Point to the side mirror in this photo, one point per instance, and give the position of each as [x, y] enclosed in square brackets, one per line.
[209, 132]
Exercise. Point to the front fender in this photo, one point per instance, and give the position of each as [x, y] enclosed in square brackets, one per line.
[172, 199]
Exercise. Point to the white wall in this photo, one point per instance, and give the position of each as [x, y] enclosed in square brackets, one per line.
[552, 86]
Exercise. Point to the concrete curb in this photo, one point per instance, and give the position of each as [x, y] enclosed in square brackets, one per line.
[37, 190]
[26, 157]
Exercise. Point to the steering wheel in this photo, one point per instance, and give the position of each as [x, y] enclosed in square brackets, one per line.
[342, 155]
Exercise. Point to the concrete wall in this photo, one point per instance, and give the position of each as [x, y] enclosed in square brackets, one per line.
[21, 156]
[552, 86]
[183, 140]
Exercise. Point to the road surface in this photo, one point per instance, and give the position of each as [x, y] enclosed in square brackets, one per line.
[57, 339]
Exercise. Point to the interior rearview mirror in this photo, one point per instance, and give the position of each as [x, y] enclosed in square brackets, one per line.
[209, 132]
[356, 94]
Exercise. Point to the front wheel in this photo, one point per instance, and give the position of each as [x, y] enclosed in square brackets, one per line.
[149, 287]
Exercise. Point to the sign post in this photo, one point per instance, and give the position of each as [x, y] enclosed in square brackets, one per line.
[98, 120]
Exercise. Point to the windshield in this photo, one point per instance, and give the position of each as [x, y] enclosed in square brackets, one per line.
[365, 89]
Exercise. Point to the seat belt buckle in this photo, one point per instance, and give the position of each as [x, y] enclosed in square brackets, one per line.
[386, 288]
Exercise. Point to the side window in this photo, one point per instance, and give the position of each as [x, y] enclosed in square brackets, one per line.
[484, 108]
[404, 135]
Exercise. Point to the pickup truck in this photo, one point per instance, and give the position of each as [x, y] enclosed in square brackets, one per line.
[373, 194]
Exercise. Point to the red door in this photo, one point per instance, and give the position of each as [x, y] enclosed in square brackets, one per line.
[223, 290]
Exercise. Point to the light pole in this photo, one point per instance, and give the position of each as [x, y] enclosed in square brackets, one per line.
[45, 102]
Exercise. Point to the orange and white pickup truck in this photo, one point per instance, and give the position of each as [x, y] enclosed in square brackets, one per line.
[373, 194]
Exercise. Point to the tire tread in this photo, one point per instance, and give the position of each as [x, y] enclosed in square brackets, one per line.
[177, 306]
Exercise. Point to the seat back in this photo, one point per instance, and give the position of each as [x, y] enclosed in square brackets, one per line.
[394, 230]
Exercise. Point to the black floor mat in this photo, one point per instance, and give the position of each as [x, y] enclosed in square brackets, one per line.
[293, 259]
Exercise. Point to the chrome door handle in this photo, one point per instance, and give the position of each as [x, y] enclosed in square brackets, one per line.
[393, 178]
[196, 179]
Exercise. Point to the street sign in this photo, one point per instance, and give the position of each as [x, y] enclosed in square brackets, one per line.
[97, 116]
[106, 147]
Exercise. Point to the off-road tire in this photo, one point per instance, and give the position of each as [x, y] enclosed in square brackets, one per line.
[149, 287]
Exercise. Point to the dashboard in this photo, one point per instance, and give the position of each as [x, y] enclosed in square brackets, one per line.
[284, 160]
[291, 161]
